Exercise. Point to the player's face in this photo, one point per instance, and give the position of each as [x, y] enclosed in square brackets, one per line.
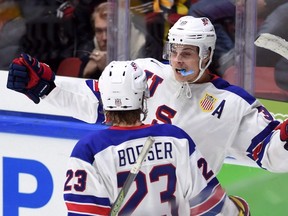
[184, 60]
[100, 26]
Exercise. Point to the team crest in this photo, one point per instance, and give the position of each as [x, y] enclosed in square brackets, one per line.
[207, 103]
[118, 102]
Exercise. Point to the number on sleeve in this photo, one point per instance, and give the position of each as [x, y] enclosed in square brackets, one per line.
[267, 115]
[69, 176]
[202, 164]
[81, 178]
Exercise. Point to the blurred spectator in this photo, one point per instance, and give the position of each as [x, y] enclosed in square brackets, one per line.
[222, 15]
[94, 63]
[48, 38]
[56, 29]
[84, 25]
[159, 17]
[60, 29]
[12, 28]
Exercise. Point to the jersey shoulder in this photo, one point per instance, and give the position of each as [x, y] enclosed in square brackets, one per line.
[172, 131]
[91, 144]
[169, 129]
[239, 92]
[153, 65]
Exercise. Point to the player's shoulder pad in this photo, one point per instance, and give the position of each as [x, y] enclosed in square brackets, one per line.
[222, 84]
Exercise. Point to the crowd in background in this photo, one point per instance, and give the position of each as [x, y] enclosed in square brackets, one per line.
[56, 30]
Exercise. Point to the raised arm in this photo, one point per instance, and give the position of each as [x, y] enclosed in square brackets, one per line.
[262, 139]
[76, 97]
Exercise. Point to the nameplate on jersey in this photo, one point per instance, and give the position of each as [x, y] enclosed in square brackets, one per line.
[158, 151]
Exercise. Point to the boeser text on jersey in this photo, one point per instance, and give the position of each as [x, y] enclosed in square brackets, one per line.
[158, 151]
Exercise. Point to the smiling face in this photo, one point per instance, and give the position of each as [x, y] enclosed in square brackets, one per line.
[184, 58]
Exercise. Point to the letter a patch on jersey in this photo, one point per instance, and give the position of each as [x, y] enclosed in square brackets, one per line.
[207, 102]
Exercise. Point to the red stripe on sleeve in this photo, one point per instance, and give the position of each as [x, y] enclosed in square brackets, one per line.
[86, 208]
[215, 198]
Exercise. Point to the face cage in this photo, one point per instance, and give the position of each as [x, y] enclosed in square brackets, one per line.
[167, 53]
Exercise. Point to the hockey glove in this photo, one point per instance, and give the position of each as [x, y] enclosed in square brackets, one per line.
[283, 130]
[283, 127]
[30, 77]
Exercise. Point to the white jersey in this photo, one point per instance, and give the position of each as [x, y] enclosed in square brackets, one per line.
[174, 179]
[223, 120]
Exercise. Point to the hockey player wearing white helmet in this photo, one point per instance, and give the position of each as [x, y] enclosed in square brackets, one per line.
[224, 120]
[190, 48]
[101, 161]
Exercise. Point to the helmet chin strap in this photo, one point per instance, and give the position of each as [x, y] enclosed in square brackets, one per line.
[202, 70]
[144, 108]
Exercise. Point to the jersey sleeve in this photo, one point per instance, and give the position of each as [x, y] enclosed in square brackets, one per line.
[84, 190]
[79, 98]
[258, 140]
[205, 194]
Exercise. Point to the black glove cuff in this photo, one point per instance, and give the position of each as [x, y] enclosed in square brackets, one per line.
[52, 86]
[43, 88]
[286, 146]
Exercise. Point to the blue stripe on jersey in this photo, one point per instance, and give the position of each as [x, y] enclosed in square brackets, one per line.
[87, 199]
[96, 142]
[210, 201]
[220, 83]
[257, 147]
[76, 214]
[264, 133]
[204, 195]
[93, 85]
[261, 153]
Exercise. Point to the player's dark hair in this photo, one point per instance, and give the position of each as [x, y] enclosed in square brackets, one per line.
[128, 117]
[123, 117]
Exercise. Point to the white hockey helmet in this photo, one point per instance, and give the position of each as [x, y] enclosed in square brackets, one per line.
[122, 86]
[200, 32]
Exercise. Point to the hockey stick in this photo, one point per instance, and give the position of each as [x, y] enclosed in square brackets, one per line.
[132, 175]
[273, 43]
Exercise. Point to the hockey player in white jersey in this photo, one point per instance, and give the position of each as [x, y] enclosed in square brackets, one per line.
[224, 120]
[173, 180]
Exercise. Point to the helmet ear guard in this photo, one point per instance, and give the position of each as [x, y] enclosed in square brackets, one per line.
[205, 53]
